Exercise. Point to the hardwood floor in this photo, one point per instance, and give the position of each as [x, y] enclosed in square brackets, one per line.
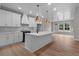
[62, 45]
[15, 50]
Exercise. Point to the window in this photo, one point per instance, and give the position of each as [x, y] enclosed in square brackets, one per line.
[60, 26]
[64, 26]
[67, 26]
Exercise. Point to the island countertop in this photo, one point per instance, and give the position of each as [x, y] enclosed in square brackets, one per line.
[39, 33]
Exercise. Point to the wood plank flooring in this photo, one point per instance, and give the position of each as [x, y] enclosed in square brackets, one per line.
[62, 45]
[15, 50]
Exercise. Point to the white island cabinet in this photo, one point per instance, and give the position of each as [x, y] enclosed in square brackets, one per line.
[34, 41]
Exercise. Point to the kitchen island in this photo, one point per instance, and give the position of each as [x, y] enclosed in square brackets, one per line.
[35, 41]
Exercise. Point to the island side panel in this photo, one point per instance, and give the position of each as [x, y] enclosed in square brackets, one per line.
[34, 43]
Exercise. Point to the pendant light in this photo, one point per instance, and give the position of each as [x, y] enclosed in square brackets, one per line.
[37, 19]
[46, 20]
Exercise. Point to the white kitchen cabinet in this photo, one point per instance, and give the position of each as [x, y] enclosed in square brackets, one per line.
[16, 19]
[20, 36]
[3, 17]
[3, 40]
[9, 18]
[34, 41]
[10, 38]
[16, 37]
[13, 20]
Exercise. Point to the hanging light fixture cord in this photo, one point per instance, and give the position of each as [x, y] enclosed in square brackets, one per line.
[38, 9]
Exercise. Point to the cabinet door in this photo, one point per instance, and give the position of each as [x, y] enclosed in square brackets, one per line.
[16, 37]
[20, 36]
[3, 40]
[9, 18]
[13, 20]
[3, 16]
[11, 38]
[16, 20]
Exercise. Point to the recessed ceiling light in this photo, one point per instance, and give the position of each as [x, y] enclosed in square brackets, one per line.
[49, 3]
[54, 9]
[19, 8]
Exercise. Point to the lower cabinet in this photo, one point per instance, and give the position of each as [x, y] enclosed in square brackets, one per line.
[10, 38]
[15, 37]
[3, 40]
[20, 36]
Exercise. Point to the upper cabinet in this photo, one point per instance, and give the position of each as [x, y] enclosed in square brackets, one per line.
[9, 18]
[3, 17]
[16, 20]
[25, 19]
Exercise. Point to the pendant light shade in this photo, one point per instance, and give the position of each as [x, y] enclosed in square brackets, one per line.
[46, 20]
[37, 19]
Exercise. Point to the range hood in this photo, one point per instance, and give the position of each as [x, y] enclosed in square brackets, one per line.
[25, 19]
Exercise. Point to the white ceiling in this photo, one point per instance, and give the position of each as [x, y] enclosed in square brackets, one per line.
[26, 7]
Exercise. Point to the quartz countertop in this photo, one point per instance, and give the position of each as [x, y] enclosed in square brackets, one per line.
[39, 33]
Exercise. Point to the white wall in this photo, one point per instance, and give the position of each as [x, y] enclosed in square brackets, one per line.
[55, 27]
[46, 27]
[76, 23]
[66, 14]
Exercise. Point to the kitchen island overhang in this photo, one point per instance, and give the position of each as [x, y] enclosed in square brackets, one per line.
[35, 41]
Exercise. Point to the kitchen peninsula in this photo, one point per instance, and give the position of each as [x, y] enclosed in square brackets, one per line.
[35, 41]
